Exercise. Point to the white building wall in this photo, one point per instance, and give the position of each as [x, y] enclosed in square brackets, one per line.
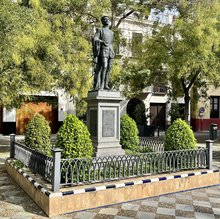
[9, 115]
[65, 105]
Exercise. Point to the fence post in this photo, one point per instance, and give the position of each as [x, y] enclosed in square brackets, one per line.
[209, 156]
[12, 145]
[56, 169]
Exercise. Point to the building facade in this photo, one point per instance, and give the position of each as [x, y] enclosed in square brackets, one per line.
[52, 105]
[206, 111]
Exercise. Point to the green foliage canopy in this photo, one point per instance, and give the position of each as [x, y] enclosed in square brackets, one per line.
[15, 70]
[174, 112]
[41, 50]
[45, 44]
[135, 78]
[185, 54]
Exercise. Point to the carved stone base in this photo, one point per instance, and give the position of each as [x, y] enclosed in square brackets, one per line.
[103, 121]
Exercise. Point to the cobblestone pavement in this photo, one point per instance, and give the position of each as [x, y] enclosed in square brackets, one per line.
[198, 203]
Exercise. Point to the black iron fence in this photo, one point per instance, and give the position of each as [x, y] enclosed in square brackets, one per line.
[35, 161]
[70, 172]
[100, 169]
[152, 144]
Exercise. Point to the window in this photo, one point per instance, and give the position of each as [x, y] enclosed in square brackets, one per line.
[214, 107]
[159, 89]
[136, 44]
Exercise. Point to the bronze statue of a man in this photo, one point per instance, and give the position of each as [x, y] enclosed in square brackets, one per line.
[103, 55]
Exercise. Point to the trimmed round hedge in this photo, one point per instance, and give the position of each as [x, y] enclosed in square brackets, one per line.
[179, 136]
[74, 138]
[37, 135]
[128, 133]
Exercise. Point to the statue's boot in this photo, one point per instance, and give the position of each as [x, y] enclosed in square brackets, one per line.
[97, 86]
[102, 87]
[107, 87]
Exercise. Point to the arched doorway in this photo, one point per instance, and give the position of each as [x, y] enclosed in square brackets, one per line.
[136, 110]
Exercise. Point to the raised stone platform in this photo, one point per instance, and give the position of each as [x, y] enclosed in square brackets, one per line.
[103, 121]
[91, 196]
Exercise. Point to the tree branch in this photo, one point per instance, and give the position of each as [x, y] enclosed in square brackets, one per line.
[124, 16]
[91, 15]
[183, 84]
[164, 45]
[6, 68]
[193, 79]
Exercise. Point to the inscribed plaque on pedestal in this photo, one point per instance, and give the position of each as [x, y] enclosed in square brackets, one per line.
[108, 123]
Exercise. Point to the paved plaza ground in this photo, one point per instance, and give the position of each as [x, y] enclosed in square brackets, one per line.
[197, 203]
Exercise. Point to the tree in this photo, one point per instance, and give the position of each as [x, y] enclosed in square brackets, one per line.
[41, 50]
[185, 54]
[13, 22]
[134, 77]
[174, 112]
[45, 44]
[70, 36]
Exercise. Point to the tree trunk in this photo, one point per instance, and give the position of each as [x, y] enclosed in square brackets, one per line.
[187, 108]
[186, 90]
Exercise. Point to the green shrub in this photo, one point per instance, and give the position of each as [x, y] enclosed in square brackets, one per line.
[179, 136]
[37, 135]
[74, 138]
[128, 133]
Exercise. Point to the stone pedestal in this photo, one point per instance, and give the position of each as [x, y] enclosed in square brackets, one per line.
[103, 121]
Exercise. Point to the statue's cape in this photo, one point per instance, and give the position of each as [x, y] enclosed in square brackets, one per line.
[96, 47]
